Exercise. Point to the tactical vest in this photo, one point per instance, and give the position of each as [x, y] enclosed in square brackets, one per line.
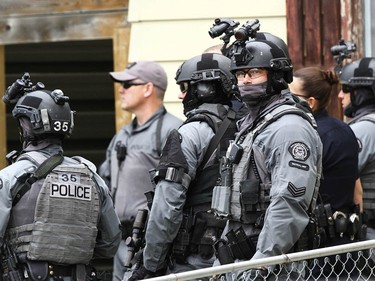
[199, 228]
[246, 198]
[368, 175]
[56, 219]
[200, 189]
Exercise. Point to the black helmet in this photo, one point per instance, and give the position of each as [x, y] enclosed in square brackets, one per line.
[274, 39]
[48, 113]
[358, 74]
[207, 78]
[259, 53]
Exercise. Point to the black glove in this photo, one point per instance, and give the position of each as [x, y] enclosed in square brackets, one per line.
[142, 273]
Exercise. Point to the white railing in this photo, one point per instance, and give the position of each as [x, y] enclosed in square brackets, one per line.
[276, 260]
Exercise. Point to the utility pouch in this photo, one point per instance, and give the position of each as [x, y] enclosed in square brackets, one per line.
[180, 249]
[221, 201]
[330, 221]
[249, 190]
[38, 270]
[341, 222]
[206, 249]
[320, 215]
[245, 244]
[314, 233]
[233, 245]
[362, 233]
[222, 252]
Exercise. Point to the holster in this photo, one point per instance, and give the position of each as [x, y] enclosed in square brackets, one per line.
[38, 270]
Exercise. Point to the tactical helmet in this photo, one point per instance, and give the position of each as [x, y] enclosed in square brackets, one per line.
[258, 53]
[274, 39]
[48, 112]
[207, 78]
[358, 74]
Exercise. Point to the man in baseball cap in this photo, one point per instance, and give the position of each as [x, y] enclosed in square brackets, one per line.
[147, 71]
[136, 148]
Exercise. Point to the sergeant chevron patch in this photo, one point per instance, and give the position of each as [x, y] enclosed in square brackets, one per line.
[296, 191]
[1, 183]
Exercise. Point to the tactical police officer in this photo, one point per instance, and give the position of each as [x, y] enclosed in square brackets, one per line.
[358, 81]
[180, 229]
[56, 213]
[272, 169]
[136, 148]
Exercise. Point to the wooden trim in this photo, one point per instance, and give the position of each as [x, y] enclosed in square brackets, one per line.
[3, 144]
[121, 40]
[295, 32]
[21, 8]
[61, 27]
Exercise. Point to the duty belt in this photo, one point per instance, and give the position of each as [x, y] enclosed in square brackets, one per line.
[340, 223]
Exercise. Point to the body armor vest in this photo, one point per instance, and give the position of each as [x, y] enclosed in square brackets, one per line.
[200, 189]
[56, 219]
[368, 175]
[245, 197]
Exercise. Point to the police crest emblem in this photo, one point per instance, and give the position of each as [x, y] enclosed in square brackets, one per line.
[299, 151]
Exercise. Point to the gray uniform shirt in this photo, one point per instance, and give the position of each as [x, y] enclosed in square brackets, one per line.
[130, 179]
[108, 222]
[166, 213]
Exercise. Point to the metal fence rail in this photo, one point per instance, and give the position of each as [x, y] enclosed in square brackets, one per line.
[352, 261]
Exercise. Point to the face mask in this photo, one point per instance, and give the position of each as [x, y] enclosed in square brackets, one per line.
[252, 94]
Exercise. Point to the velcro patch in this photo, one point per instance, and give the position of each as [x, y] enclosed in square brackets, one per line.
[71, 191]
[299, 165]
[299, 151]
[296, 191]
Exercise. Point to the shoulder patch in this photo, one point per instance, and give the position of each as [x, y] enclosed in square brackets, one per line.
[299, 151]
[296, 191]
[1, 183]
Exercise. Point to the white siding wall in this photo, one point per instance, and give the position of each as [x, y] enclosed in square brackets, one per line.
[171, 31]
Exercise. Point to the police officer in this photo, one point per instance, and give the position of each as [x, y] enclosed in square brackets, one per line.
[56, 213]
[136, 148]
[180, 231]
[358, 81]
[274, 164]
[340, 164]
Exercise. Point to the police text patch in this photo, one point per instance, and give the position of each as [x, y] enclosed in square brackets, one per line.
[69, 186]
[299, 151]
[299, 165]
[70, 190]
[296, 191]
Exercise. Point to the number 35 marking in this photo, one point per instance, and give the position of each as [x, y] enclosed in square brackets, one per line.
[61, 126]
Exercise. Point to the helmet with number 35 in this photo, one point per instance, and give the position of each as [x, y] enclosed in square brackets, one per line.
[42, 114]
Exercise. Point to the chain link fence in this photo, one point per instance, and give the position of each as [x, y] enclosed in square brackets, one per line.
[354, 261]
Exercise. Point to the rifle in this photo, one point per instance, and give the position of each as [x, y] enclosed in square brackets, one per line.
[343, 50]
[137, 240]
[9, 264]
